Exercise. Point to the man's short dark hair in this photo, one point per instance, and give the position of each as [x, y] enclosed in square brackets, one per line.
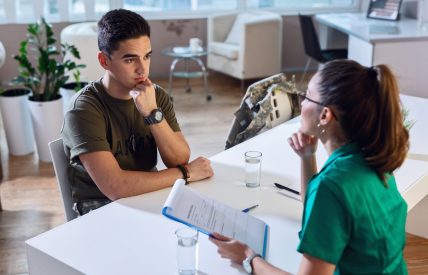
[118, 25]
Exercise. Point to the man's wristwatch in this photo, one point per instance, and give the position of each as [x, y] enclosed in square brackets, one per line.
[247, 263]
[155, 117]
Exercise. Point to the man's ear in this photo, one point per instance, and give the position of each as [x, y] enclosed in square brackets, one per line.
[103, 59]
[326, 116]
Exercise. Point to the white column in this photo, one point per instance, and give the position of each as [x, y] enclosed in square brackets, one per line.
[63, 10]
[10, 11]
[90, 10]
[38, 8]
[116, 4]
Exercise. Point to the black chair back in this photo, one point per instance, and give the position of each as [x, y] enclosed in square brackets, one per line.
[310, 38]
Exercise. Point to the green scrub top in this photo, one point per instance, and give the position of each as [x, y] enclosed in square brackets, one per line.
[351, 219]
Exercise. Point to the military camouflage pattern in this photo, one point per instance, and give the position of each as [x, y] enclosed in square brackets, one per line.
[256, 107]
[82, 208]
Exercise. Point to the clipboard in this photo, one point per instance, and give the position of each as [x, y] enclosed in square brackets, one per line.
[207, 215]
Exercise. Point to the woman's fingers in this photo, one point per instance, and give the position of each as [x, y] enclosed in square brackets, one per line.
[218, 237]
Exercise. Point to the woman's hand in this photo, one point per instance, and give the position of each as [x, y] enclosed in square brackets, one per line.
[304, 145]
[231, 249]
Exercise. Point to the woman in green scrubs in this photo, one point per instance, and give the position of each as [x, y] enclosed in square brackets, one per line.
[354, 216]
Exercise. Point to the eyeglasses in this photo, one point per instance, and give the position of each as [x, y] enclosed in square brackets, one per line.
[302, 96]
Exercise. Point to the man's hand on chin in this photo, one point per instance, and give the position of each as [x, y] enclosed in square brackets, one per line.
[144, 97]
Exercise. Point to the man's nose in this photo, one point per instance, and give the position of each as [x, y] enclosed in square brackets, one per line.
[141, 67]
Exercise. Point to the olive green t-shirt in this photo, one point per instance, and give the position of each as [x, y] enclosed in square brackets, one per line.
[96, 121]
[351, 219]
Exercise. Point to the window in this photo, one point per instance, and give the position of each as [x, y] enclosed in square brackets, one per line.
[24, 11]
[179, 5]
[296, 4]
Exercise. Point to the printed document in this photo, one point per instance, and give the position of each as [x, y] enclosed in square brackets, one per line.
[208, 215]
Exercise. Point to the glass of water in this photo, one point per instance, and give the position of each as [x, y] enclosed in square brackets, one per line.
[253, 164]
[187, 250]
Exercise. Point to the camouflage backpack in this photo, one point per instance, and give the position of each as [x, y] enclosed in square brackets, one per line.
[256, 106]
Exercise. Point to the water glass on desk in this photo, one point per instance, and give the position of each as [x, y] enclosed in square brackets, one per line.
[187, 250]
[253, 163]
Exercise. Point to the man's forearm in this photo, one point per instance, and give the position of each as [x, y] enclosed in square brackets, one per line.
[132, 183]
[116, 183]
[172, 146]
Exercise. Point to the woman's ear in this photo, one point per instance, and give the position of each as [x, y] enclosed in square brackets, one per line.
[103, 59]
[326, 115]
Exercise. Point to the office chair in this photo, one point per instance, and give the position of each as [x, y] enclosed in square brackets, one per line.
[60, 163]
[312, 45]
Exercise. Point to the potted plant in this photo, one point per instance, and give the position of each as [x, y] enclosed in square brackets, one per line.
[16, 117]
[68, 90]
[42, 69]
[17, 121]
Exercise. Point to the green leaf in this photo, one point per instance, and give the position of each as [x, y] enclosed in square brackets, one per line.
[23, 47]
[51, 40]
[48, 72]
[408, 123]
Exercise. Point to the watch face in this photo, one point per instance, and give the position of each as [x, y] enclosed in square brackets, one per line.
[158, 115]
[247, 266]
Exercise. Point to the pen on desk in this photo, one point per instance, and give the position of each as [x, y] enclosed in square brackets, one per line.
[250, 208]
[286, 188]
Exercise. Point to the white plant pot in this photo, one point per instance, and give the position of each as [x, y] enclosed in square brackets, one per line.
[17, 122]
[47, 120]
[67, 92]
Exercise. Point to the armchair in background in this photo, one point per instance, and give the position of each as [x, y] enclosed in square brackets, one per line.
[84, 37]
[245, 45]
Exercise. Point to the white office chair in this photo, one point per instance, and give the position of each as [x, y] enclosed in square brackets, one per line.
[60, 163]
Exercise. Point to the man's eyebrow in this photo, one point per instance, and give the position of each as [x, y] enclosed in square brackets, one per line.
[129, 55]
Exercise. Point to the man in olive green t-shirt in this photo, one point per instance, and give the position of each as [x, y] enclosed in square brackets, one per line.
[115, 126]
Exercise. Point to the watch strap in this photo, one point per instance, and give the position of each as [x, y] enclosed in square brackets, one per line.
[151, 119]
[249, 260]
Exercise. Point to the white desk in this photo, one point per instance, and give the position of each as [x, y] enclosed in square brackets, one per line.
[130, 236]
[404, 51]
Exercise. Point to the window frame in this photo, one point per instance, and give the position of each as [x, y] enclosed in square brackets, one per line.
[179, 15]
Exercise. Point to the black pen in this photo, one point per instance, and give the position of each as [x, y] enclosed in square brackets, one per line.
[250, 208]
[286, 188]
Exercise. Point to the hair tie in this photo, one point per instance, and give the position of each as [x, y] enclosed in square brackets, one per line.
[372, 72]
